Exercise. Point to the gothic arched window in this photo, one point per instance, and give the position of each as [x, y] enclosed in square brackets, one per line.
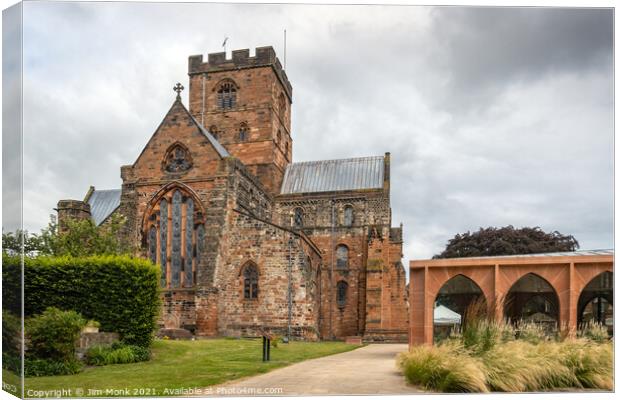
[348, 216]
[298, 218]
[341, 294]
[174, 233]
[226, 95]
[243, 132]
[250, 282]
[342, 257]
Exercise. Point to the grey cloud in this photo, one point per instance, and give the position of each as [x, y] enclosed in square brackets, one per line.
[493, 117]
[487, 48]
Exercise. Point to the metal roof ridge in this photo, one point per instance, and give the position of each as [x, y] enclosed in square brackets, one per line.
[336, 160]
[107, 190]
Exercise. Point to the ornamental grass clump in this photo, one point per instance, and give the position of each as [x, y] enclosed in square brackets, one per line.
[591, 363]
[520, 366]
[488, 355]
[511, 366]
[444, 368]
[531, 332]
[594, 331]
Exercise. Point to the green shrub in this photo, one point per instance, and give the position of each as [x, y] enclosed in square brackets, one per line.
[117, 353]
[140, 353]
[124, 355]
[443, 368]
[46, 367]
[12, 362]
[96, 355]
[120, 292]
[11, 336]
[52, 335]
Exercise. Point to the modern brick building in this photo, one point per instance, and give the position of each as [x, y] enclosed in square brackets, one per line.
[246, 239]
[561, 290]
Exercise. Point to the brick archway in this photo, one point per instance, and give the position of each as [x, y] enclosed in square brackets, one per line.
[516, 301]
[598, 293]
[566, 273]
[456, 294]
[478, 276]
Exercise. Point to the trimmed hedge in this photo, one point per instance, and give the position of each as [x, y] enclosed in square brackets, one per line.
[120, 292]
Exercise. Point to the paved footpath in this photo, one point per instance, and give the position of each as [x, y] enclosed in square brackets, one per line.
[367, 370]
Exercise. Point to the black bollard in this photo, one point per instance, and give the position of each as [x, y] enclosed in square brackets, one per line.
[264, 349]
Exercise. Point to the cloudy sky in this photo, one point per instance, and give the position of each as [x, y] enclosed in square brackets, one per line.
[492, 116]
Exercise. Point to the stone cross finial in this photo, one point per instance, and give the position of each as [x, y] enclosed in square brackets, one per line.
[178, 88]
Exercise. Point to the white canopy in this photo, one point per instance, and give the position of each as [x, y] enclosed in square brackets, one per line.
[442, 315]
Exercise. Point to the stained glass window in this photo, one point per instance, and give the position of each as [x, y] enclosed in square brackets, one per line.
[175, 237]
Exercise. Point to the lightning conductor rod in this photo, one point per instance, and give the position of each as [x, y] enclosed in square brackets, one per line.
[202, 108]
[285, 49]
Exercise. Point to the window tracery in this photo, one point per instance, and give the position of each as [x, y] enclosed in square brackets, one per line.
[177, 159]
[175, 237]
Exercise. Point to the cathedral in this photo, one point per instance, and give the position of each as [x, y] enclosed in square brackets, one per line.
[247, 240]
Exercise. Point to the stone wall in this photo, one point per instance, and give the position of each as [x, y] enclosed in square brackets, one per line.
[90, 339]
[386, 302]
[376, 303]
[71, 210]
[282, 257]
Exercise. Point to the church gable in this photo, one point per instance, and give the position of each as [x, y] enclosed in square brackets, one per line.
[179, 148]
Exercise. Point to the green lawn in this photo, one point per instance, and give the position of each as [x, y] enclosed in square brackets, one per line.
[183, 364]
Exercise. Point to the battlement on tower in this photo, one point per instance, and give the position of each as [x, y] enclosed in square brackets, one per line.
[217, 62]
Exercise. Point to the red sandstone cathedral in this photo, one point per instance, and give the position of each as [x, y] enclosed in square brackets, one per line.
[248, 240]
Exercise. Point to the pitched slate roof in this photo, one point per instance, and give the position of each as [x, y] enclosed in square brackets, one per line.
[103, 203]
[217, 145]
[334, 175]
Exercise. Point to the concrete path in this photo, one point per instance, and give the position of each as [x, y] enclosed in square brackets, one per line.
[367, 370]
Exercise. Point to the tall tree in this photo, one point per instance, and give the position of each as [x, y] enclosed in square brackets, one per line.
[507, 240]
[81, 238]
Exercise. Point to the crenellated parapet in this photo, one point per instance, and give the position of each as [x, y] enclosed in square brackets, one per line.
[217, 62]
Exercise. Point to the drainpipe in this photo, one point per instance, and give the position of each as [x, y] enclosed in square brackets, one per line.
[331, 272]
[290, 287]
